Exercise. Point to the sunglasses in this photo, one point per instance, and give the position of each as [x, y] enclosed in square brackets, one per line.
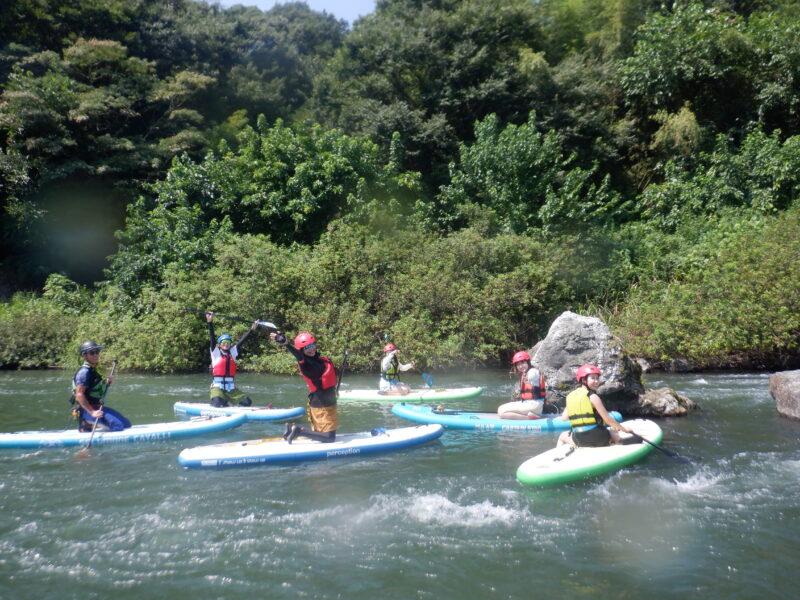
[311, 346]
[92, 352]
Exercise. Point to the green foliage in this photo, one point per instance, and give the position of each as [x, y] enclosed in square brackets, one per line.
[761, 175]
[156, 237]
[524, 179]
[288, 183]
[738, 307]
[34, 332]
[696, 55]
[577, 25]
[577, 159]
[448, 301]
[429, 70]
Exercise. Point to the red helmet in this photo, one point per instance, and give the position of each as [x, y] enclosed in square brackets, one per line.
[585, 370]
[389, 348]
[304, 339]
[520, 356]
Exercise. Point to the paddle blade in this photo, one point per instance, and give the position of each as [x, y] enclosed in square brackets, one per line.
[428, 379]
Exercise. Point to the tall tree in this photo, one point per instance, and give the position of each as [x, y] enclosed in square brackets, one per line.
[429, 69]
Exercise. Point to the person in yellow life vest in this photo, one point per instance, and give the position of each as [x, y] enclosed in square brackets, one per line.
[223, 367]
[590, 423]
[320, 376]
[390, 383]
[530, 397]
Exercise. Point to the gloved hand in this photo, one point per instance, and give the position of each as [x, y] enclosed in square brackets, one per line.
[280, 338]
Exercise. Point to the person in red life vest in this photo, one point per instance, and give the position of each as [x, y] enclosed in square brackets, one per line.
[320, 376]
[591, 425]
[530, 395]
[223, 367]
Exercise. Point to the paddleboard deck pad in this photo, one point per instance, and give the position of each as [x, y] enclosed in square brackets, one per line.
[481, 421]
[153, 432]
[566, 463]
[419, 395]
[278, 450]
[252, 413]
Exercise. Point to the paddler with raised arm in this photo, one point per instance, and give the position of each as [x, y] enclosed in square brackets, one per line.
[320, 375]
[223, 367]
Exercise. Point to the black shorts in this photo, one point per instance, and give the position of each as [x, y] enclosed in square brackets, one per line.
[594, 438]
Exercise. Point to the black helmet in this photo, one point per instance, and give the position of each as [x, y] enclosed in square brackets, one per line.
[89, 346]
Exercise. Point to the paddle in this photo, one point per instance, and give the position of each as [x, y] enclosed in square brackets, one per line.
[241, 319]
[83, 452]
[673, 455]
[342, 367]
[439, 410]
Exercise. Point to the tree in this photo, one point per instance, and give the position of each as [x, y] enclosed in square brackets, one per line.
[428, 70]
[287, 183]
[524, 179]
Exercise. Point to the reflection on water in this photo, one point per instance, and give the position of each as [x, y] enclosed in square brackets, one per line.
[444, 520]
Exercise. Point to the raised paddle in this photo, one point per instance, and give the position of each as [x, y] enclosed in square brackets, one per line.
[83, 452]
[673, 455]
[241, 319]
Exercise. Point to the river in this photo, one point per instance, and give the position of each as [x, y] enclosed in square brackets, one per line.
[446, 520]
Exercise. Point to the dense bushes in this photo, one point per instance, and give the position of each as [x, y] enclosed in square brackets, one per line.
[739, 306]
[495, 167]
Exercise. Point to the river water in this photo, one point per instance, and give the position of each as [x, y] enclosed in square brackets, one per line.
[446, 520]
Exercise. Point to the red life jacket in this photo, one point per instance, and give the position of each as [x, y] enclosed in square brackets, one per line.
[328, 379]
[527, 390]
[225, 366]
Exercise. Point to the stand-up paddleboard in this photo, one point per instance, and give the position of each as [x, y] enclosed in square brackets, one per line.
[153, 432]
[481, 421]
[278, 450]
[567, 463]
[253, 413]
[419, 395]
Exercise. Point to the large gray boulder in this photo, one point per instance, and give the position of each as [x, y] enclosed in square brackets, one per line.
[785, 389]
[575, 340]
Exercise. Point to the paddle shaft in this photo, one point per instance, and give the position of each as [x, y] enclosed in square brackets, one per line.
[232, 318]
[105, 393]
[670, 453]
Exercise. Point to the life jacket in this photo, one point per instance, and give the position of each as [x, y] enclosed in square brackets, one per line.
[225, 367]
[580, 409]
[95, 385]
[527, 391]
[328, 379]
[393, 372]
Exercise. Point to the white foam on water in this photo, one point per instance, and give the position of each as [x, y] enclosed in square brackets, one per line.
[436, 508]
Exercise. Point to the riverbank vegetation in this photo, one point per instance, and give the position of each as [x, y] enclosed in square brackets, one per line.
[448, 174]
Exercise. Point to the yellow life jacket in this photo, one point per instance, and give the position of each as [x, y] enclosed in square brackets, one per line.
[393, 372]
[580, 410]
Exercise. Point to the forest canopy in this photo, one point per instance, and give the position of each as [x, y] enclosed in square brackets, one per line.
[451, 174]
